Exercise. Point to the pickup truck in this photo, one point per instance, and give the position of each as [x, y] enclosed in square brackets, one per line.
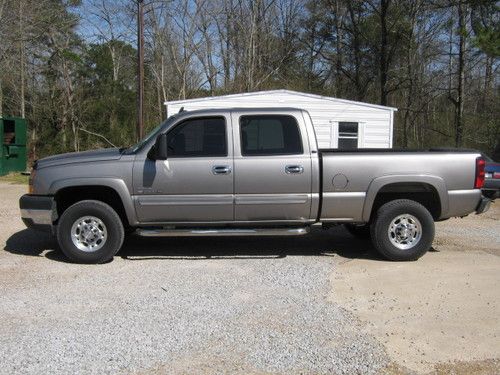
[491, 188]
[248, 172]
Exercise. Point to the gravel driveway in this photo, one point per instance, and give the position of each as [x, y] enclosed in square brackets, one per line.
[192, 305]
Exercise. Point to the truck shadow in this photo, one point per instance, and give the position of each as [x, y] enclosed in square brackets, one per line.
[335, 241]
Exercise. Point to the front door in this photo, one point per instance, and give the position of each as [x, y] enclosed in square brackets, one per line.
[272, 168]
[195, 183]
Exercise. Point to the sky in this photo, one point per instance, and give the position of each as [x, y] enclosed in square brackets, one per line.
[93, 25]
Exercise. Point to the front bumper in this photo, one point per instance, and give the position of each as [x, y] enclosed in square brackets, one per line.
[38, 211]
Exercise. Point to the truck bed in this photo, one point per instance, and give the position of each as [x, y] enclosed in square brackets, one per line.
[352, 179]
[396, 150]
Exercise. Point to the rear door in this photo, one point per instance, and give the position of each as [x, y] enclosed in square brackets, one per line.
[272, 162]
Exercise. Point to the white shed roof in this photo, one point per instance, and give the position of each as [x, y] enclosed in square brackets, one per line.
[290, 92]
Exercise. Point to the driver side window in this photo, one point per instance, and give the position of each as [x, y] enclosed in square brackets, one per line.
[198, 137]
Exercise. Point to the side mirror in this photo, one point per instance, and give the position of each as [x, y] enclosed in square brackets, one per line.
[159, 150]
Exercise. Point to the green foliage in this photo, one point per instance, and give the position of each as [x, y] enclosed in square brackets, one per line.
[109, 95]
[485, 22]
[330, 47]
[488, 40]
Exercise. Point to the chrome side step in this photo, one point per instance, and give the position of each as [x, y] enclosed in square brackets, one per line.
[221, 232]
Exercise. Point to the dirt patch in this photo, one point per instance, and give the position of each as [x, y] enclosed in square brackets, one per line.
[444, 307]
[486, 367]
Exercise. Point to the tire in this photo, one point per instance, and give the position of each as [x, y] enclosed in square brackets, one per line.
[361, 231]
[491, 194]
[90, 232]
[402, 230]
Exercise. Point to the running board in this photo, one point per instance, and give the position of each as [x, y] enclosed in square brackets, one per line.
[221, 232]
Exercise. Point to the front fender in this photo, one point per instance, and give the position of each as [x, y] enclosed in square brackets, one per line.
[379, 182]
[116, 184]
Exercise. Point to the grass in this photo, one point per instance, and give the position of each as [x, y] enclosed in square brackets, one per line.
[15, 178]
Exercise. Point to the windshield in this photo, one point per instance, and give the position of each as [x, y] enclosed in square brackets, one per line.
[150, 136]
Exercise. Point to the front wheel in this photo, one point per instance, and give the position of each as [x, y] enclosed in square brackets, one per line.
[90, 232]
[402, 230]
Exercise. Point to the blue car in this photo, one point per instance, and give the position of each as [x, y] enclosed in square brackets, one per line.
[491, 188]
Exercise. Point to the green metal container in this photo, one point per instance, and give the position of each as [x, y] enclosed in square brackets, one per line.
[13, 153]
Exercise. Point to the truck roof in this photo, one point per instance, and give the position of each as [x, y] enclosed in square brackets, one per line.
[243, 109]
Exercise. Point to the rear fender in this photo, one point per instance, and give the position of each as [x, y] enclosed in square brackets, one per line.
[378, 183]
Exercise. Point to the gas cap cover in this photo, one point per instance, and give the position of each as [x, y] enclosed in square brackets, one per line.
[340, 181]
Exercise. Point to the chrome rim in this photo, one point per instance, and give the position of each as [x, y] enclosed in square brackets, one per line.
[89, 233]
[405, 231]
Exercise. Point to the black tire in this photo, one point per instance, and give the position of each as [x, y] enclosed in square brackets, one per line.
[361, 231]
[381, 224]
[491, 194]
[113, 226]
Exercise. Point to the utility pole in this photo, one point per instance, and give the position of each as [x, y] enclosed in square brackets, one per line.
[140, 69]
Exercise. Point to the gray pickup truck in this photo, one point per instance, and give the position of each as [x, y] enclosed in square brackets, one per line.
[248, 172]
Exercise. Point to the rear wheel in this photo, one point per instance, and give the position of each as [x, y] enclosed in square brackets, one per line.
[402, 230]
[90, 232]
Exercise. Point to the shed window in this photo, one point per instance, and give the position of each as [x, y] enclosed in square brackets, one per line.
[348, 135]
[9, 132]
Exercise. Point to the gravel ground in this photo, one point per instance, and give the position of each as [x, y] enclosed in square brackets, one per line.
[270, 314]
[192, 305]
[199, 305]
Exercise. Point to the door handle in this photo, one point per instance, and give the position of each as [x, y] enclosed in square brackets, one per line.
[294, 169]
[221, 169]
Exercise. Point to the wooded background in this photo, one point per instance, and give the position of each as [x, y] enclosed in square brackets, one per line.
[69, 66]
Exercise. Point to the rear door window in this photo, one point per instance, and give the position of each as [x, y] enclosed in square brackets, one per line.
[270, 135]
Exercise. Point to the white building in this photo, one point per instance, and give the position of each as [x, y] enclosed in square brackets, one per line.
[339, 123]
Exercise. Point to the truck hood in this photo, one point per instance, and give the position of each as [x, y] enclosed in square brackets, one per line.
[80, 157]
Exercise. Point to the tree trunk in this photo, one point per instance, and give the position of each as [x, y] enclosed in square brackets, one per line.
[339, 57]
[22, 109]
[410, 72]
[70, 101]
[226, 54]
[459, 107]
[163, 88]
[158, 99]
[383, 65]
[488, 79]
[357, 55]
[1, 99]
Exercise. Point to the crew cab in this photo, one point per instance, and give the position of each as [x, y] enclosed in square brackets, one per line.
[248, 172]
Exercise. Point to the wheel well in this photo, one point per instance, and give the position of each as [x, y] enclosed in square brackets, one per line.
[68, 196]
[423, 193]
